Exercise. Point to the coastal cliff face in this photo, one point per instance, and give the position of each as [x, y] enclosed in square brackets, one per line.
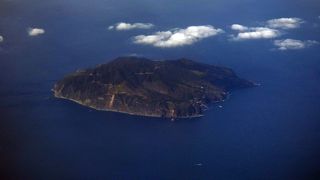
[139, 86]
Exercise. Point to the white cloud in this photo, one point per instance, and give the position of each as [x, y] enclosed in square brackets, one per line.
[35, 31]
[247, 33]
[271, 29]
[122, 26]
[239, 27]
[285, 23]
[291, 44]
[1, 39]
[178, 37]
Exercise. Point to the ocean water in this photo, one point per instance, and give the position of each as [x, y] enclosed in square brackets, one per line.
[268, 132]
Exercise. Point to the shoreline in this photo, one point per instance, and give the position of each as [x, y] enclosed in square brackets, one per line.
[228, 94]
[125, 112]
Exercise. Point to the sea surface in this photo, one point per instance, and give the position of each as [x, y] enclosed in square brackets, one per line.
[268, 132]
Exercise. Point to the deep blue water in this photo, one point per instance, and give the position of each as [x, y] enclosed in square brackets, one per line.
[268, 132]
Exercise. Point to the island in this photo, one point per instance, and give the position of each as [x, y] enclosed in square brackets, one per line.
[179, 88]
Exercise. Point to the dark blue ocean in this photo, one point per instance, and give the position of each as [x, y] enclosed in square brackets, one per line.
[268, 132]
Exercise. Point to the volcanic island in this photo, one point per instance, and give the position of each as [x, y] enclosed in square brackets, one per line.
[179, 88]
